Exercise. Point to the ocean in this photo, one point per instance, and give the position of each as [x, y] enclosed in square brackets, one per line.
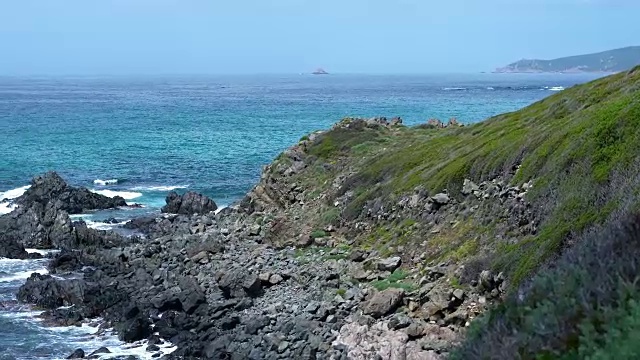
[141, 137]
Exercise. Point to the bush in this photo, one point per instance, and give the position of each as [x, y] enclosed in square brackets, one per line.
[585, 306]
[316, 234]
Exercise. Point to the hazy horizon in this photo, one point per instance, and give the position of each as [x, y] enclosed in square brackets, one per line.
[287, 37]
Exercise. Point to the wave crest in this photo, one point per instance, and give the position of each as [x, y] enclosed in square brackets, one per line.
[127, 195]
[105, 182]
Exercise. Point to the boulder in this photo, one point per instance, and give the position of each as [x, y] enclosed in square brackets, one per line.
[77, 354]
[239, 284]
[188, 204]
[9, 248]
[389, 264]
[441, 199]
[48, 293]
[383, 302]
[468, 187]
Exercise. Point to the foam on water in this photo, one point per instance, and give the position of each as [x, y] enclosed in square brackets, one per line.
[454, 89]
[105, 182]
[127, 195]
[5, 204]
[102, 225]
[22, 275]
[159, 188]
[13, 193]
[556, 88]
[42, 252]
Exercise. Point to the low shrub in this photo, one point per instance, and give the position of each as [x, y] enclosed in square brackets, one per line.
[584, 307]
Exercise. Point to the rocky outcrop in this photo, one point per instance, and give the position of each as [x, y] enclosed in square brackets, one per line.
[11, 249]
[51, 188]
[41, 219]
[188, 204]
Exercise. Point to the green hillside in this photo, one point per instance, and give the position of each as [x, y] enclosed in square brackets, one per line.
[606, 61]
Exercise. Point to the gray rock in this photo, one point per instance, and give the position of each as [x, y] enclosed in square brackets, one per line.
[383, 302]
[441, 199]
[389, 264]
[458, 294]
[275, 279]
[254, 230]
[188, 204]
[468, 187]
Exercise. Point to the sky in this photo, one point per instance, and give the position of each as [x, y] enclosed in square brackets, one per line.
[99, 37]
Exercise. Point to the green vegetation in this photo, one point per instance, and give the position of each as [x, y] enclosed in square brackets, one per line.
[394, 281]
[585, 307]
[316, 234]
[577, 147]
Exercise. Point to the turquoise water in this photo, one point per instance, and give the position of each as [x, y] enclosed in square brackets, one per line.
[213, 134]
[209, 134]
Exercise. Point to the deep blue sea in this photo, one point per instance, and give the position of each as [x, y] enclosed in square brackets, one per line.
[210, 134]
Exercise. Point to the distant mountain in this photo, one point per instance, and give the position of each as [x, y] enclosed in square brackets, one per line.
[606, 61]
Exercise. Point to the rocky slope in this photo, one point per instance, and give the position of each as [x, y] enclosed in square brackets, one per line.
[607, 61]
[369, 240]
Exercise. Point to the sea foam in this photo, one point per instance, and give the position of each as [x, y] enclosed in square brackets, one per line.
[105, 182]
[22, 275]
[5, 205]
[159, 188]
[127, 195]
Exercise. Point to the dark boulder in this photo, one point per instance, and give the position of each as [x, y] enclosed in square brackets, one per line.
[188, 204]
[46, 292]
[135, 329]
[239, 284]
[77, 354]
[9, 248]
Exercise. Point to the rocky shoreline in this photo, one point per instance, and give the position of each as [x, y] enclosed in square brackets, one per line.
[240, 283]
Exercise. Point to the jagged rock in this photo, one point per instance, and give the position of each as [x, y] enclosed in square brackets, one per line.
[383, 302]
[366, 342]
[102, 350]
[486, 280]
[77, 354]
[239, 284]
[255, 229]
[254, 324]
[469, 187]
[389, 264]
[48, 293]
[415, 330]
[9, 248]
[357, 256]
[188, 204]
[399, 321]
[201, 257]
[51, 188]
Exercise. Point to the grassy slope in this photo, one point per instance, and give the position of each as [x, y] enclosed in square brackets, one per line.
[578, 146]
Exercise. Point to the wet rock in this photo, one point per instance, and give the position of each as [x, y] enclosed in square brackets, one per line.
[77, 354]
[102, 350]
[49, 293]
[383, 302]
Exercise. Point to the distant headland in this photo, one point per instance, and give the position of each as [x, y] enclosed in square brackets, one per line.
[320, 71]
[603, 62]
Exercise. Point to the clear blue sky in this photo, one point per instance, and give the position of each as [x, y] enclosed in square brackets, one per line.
[291, 36]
